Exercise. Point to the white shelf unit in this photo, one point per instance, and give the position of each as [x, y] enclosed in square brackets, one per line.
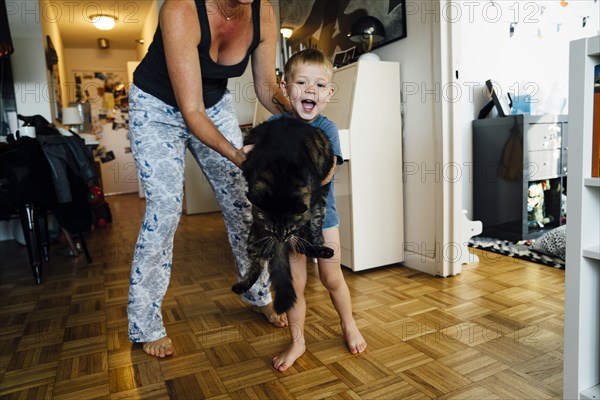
[582, 280]
[592, 182]
[591, 393]
[368, 187]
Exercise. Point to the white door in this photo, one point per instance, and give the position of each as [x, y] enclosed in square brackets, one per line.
[456, 228]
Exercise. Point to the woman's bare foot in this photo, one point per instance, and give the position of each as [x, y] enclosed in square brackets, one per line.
[283, 361]
[354, 339]
[278, 320]
[162, 347]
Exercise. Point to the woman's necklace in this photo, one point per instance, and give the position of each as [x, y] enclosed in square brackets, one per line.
[223, 12]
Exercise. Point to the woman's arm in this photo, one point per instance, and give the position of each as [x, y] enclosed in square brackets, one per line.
[181, 36]
[263, 63]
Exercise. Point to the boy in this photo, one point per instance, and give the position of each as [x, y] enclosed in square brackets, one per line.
[306, 83]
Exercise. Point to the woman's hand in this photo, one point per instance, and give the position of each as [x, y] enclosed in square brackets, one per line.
[240, 155]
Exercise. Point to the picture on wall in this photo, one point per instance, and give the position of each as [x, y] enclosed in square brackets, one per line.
[55, 91]
[326, 23]
[106, 93]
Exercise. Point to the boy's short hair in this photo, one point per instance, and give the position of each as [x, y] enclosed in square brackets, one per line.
[308, 56]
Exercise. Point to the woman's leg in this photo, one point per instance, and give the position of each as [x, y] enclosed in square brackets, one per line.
[296, 315]
[158, 144]
[230, 189]
[332, 277]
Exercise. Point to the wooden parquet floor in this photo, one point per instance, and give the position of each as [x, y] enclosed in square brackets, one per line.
[493, 332]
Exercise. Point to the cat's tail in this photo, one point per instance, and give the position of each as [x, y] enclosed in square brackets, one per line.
[281, 279]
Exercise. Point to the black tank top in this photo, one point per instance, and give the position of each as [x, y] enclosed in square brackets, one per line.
[152, 76]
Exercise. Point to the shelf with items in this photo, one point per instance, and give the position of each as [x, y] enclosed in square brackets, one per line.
[520, 175]
[582, 276]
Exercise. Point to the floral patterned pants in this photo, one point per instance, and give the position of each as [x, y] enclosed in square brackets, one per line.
[159, 139]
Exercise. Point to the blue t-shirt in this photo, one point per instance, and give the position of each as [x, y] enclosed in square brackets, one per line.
[328, 127]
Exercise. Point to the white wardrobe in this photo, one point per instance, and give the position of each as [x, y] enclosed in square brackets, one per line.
[368, 186]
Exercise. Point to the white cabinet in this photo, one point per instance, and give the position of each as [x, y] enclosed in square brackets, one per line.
[118, 172]
[368, 186]
[582, 281]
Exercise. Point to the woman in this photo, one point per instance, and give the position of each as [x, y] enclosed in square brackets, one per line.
[179, 100]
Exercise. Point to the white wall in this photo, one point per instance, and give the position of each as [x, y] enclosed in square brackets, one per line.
[29, 75]
[149, 27]
[524, 63]
[416, 55]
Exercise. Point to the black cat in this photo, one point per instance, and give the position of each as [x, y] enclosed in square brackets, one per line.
[284, 172]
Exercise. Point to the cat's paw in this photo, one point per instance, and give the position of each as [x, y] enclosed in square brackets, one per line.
[317, 252]
[325, 252]
[239, 288]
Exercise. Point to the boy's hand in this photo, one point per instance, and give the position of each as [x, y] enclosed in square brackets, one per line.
[329, 176]
[247, 148]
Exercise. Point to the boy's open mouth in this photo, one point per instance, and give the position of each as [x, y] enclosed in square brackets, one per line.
[308, 105]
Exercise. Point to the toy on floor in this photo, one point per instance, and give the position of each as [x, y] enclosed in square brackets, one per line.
[536, 217]
[101, 215]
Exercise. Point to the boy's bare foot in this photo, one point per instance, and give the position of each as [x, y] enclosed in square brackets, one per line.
[162, 347]
[278, 320]
[283, 361]
[354, 339]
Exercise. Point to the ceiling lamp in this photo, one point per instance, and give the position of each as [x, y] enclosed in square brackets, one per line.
[103, 22]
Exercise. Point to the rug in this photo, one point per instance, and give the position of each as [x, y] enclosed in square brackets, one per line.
[517, 250]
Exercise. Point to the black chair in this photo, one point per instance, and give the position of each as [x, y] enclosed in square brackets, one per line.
[28, 190]
[43, 175]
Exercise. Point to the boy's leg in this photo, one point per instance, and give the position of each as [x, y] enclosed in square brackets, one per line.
[296, 315]
[330, 272]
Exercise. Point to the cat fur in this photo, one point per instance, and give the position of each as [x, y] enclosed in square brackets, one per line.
[284, 172]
